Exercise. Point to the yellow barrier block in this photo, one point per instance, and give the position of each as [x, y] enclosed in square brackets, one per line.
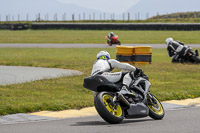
[142, 50]
[141, 63]
[124, 50]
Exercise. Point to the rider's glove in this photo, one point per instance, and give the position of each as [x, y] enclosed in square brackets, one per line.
[137, 71]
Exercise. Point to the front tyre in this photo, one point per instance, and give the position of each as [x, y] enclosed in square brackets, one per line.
[112, 114]
[118, 43]
[156, 110]
[109, 43]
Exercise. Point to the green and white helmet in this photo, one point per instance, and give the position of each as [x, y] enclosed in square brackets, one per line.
[103, 55]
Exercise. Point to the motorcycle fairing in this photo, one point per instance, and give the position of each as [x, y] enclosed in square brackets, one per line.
[138, 110]
[99, 83]
[144, 90]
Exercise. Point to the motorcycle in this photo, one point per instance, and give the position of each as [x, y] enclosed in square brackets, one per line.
[114, 106]
[114, 40]
[190, 57]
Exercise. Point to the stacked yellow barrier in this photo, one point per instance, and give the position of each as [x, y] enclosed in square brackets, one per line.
[142, 55]
[134, 55]
[124, 54]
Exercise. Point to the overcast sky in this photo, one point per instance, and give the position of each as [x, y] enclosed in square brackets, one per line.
[93, 9]
[115, 6]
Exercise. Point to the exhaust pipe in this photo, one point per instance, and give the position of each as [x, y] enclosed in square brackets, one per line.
[123, 99]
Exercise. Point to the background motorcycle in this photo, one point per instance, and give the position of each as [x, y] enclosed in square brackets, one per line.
[190, 57]
[113, 106]
[114, 40]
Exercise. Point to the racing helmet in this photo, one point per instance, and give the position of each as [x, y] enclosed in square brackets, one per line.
[168, 40]
[103, 55]
[111, 33]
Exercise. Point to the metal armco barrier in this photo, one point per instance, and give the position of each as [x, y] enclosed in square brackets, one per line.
[140, 55]
[118, 26]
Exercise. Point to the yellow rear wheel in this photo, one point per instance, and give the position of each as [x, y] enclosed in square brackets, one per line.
[114, 110]
[111, 112]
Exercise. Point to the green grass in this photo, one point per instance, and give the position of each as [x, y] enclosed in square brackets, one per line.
[94, 36]
[169, 81]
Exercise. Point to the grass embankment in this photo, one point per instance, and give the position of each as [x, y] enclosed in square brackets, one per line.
[93, 36]
[169, 81]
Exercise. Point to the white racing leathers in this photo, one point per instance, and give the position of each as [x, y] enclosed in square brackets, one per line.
[104, 67]
[177, 50]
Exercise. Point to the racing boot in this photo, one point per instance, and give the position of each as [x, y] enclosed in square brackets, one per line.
[197, 52]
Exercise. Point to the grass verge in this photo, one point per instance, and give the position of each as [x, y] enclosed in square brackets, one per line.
[169, 81]
[94, 36]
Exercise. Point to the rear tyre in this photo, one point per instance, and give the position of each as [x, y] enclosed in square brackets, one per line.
[111, 114]
[156, 110]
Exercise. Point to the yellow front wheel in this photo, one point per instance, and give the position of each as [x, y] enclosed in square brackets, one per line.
[156, 110]
[109, 111]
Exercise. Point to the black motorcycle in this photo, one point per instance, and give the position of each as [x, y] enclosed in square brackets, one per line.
[189, 57]
[113, 106]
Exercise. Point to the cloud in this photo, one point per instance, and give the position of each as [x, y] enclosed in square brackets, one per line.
[110, 6]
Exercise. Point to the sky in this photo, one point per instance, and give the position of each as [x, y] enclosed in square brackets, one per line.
[112, 6]
[92, 9]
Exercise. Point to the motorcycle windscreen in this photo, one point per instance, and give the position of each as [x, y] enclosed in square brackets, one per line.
[99, 83]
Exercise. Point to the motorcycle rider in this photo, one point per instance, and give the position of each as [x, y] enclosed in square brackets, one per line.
[110, 35]
[177, 50]
[104, 65]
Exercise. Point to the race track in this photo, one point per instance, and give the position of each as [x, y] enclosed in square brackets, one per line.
[28, 45]
[178, 118]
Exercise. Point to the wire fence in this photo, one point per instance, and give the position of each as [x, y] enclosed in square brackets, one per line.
[73, 17]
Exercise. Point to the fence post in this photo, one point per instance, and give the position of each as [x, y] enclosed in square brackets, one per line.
[93, 15]
[73, 17]
[84, 16]
[79, 17]
[89, 16]
[27, 17]
[147, 16]
[18, 17]
[128, 16]
[47, 17]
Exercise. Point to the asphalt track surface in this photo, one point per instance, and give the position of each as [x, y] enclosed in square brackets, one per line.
[184, 120]
[20, 74]
[28, 45]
